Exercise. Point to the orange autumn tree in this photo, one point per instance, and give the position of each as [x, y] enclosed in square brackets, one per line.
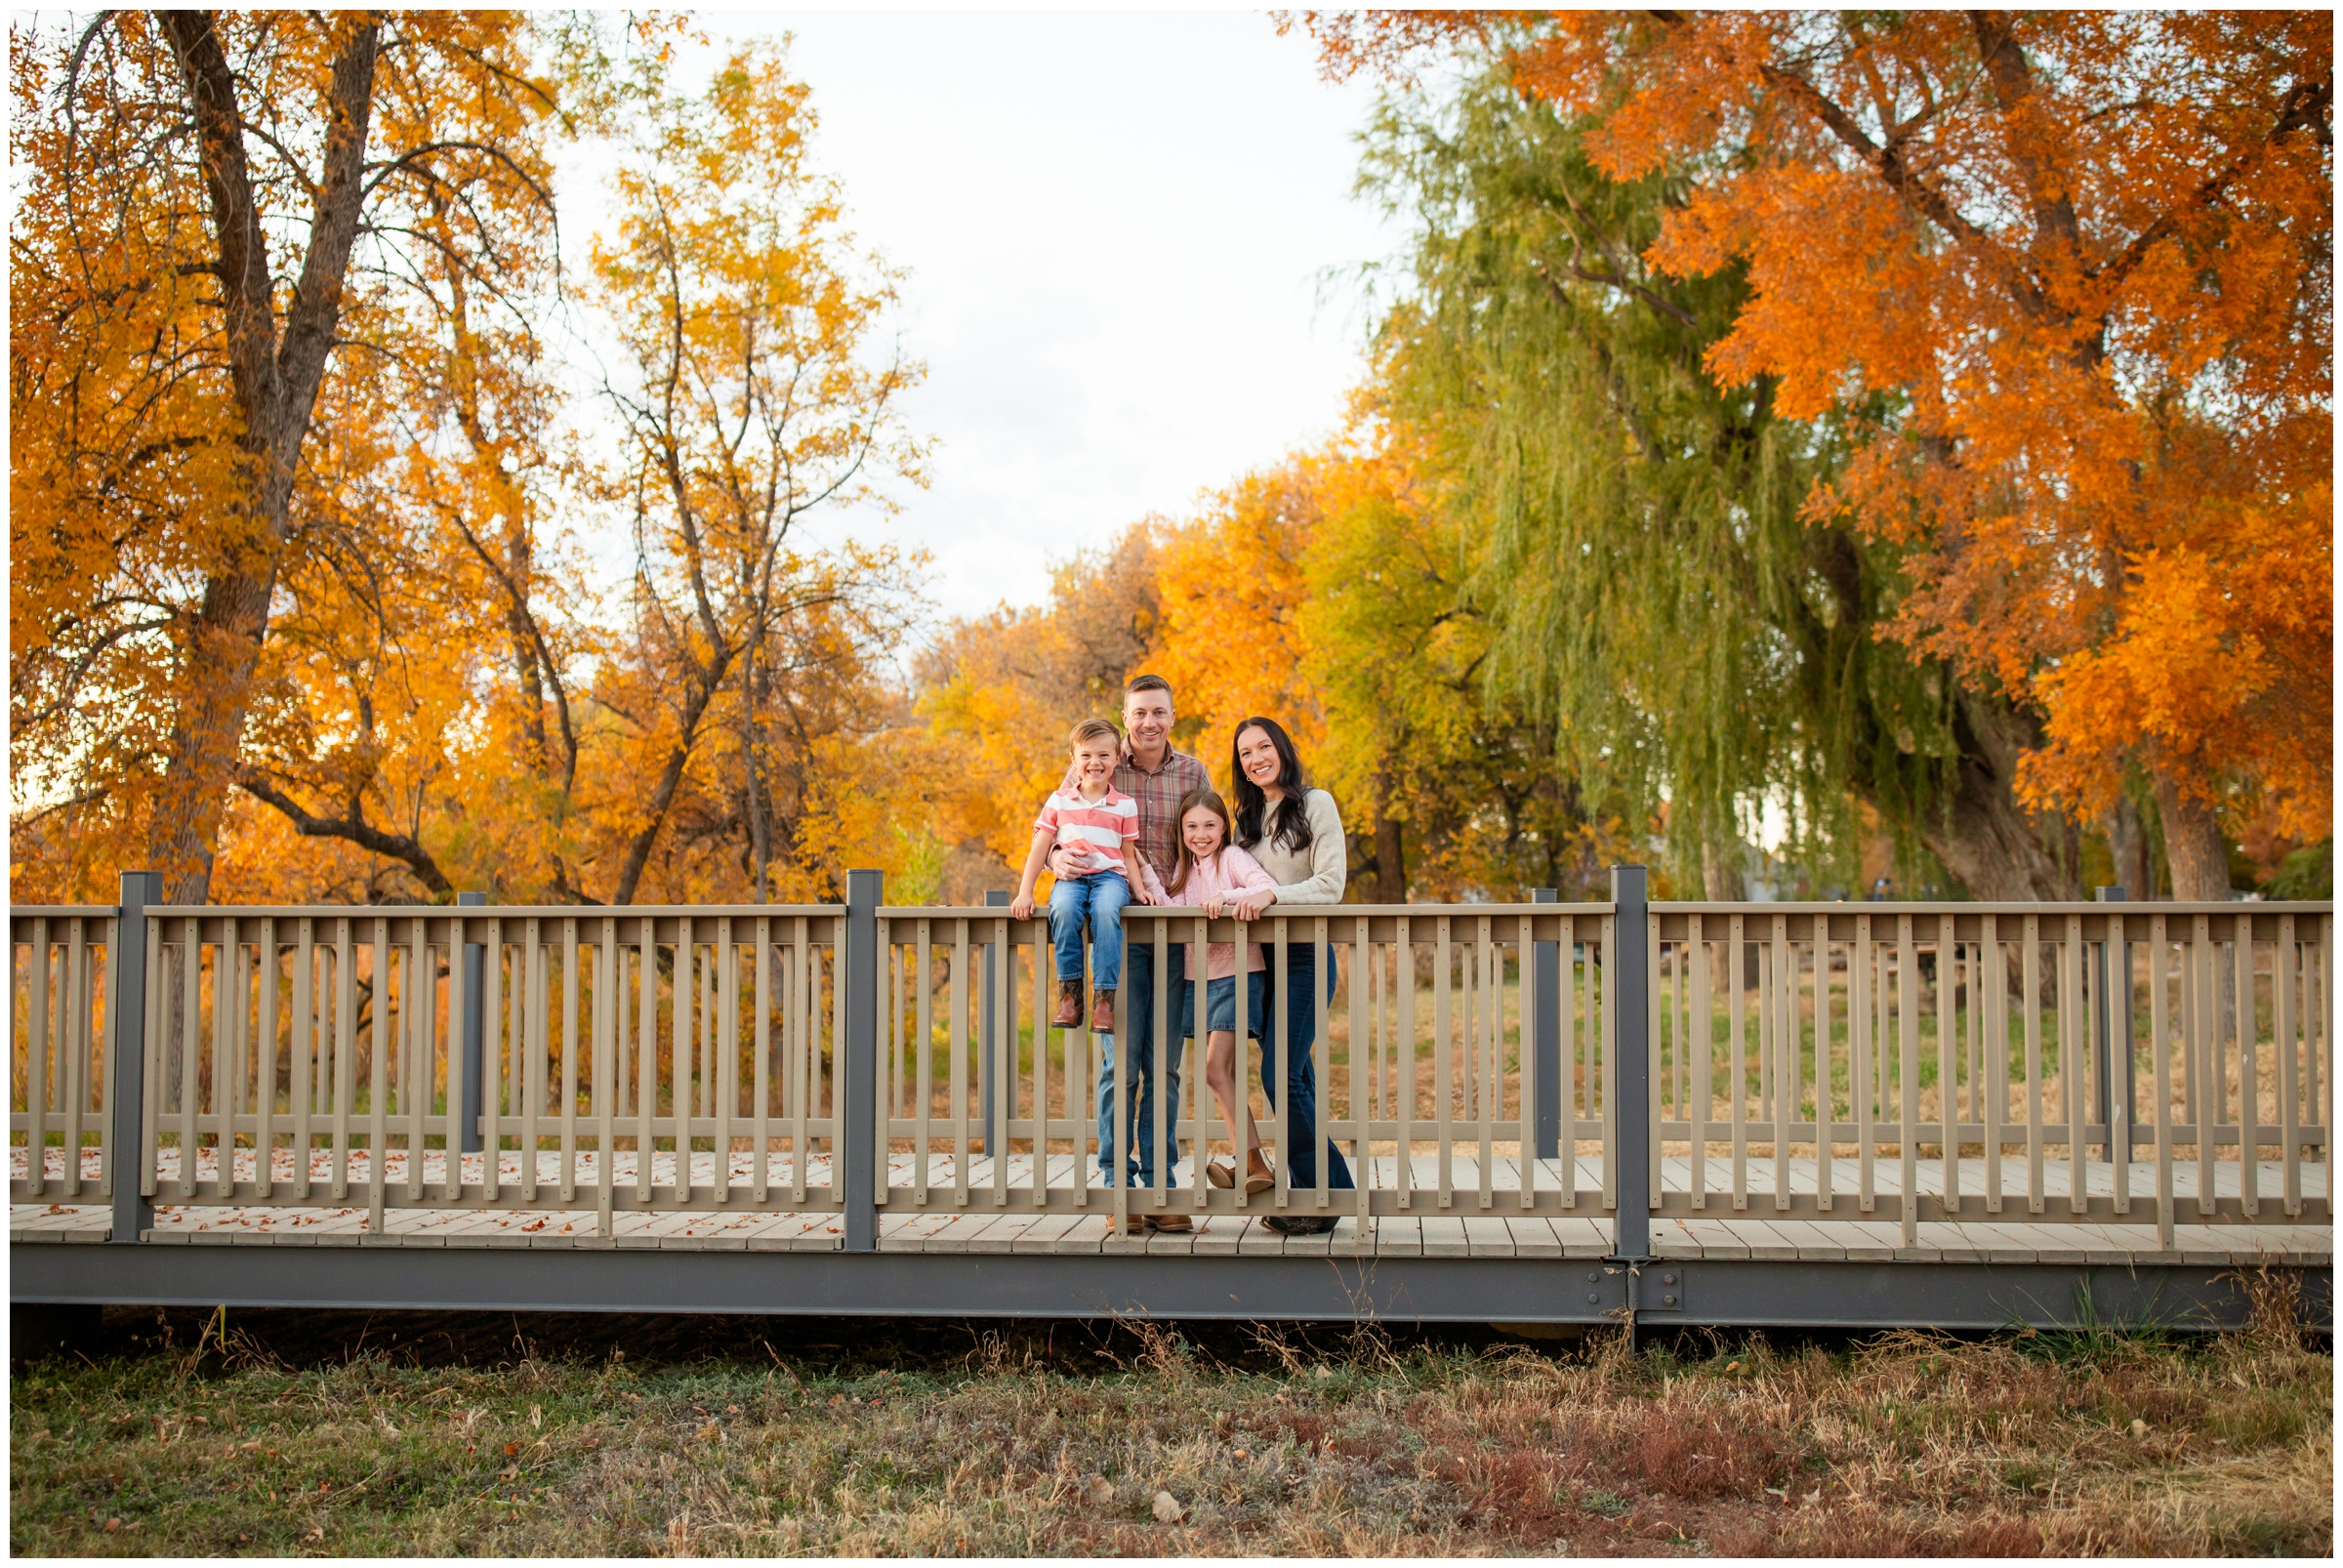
[230, 224]
[2067, 278]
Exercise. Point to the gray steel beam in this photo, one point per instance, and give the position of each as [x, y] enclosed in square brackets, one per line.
[854, 1145]
[470, 1109]
[126, 1058]
[1627, 971]
[1801, 1294]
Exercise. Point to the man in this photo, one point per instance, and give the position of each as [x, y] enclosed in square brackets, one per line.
[1157, 776]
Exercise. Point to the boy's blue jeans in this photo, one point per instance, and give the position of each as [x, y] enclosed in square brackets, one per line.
[1098, 898]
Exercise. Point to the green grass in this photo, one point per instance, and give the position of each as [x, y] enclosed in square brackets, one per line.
[332, 1434]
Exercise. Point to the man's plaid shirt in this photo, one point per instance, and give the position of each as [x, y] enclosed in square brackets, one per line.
[1159, 796]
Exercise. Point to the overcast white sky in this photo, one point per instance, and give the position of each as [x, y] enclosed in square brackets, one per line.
[1116, 227]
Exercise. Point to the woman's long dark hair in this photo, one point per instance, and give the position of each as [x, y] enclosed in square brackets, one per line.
[1290, 829]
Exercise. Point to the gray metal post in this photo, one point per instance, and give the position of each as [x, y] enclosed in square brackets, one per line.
[473, 1109]
[2115, 1021]
[993, 898]
[1546, 1033]
[1627, 972]
[858, 1059]
[126, 1058]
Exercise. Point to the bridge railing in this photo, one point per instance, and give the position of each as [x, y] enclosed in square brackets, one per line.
[2045, 1062]
[2151, 1063]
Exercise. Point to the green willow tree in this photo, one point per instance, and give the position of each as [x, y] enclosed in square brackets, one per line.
[1656, 597]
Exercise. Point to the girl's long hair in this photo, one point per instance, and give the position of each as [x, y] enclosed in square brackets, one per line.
[1290, 828]
[1188, 862]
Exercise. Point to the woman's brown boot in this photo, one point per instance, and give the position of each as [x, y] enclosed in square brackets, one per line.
[1069, 1006]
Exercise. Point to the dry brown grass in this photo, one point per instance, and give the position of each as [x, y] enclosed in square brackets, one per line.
[934, 1441]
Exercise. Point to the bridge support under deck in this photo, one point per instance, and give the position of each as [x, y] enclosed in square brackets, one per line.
[1712, 1292]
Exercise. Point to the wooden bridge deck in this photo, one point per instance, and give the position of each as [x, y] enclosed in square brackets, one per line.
[1464, 1229]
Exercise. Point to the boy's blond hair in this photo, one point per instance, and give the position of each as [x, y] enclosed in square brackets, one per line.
[1093, 730]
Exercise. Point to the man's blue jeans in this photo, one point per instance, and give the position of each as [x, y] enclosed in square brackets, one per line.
[1096, 899]
[1139, 1059]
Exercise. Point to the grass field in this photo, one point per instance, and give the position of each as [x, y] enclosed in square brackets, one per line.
[337, 1434]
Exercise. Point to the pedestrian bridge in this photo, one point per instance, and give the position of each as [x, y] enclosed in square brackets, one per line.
[1968, 1115]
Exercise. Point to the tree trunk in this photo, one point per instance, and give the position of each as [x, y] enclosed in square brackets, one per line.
[2193, 844]
[274, 385]
[1721, 877]
[1390, 861]
[2128, 845]
[1981, 834]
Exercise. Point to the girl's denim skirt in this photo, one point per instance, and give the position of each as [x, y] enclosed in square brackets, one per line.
[1221, 1005]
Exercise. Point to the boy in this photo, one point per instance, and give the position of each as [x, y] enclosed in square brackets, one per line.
[1098, 827]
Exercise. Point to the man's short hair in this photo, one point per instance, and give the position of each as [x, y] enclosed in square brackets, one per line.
[1147, 683]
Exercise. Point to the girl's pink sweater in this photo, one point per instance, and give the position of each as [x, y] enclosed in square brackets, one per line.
[1230, 871]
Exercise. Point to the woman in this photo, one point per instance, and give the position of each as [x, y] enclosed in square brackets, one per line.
[1295, 833]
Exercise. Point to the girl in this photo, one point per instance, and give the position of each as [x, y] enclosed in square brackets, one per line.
[1099, 827]
[1210, 869]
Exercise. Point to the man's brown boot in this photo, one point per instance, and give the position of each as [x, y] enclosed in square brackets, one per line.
[1102, 1009]
[1175, 1222]
[1069, 1006]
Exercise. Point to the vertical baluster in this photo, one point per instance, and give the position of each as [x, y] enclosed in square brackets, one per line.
[761, 1171]
[1948, 1060]
[528, 1044]
[36, 1061]
[1995, 972]
[264, 1140]
[228, 1089]
[2282, 977]
[2249, 1098]
[1443, 1072]
[956, 1041]
[724, 1061]
[838, 1043]
[923, 1005]
[2074, 1051]
[1000, 1082]
[460, 1003]
[2204, 1030]
[1281, 1017]
[1699, 1039]
[1655, 1085]
[337, 1049]
[1608, 1035]
[1572, 1014]
[1826, 1107]
[1525, 1136]
[1737, 965]
[2033, 1064]
[1908, 1068]
[73, 1048]
[2160, 1039]
[1783, 1016]
[416, 1085]
[380, 1042]
[1403, 981]
[301, 1049]
[569, 1057]
[1041, 1079]
[1489, 1083]
[150, 1107]
[1861, 1044]
[190, 1048]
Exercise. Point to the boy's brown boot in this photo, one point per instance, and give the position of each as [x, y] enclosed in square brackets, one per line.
[1102, 1009]
[1069, 1006]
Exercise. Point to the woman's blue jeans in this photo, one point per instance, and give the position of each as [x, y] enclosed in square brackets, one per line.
[1290, 1024]
[1096, 899]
